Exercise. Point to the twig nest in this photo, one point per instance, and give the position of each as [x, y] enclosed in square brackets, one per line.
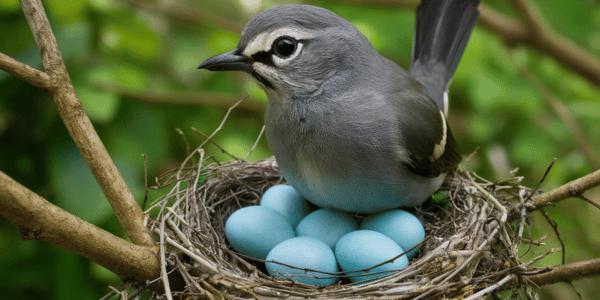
[470, 245]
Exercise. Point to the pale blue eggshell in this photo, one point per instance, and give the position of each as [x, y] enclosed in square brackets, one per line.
[303, 253]
[327, 225]
[363, 249]
[255, 230]
[285, 199]
[399, 225]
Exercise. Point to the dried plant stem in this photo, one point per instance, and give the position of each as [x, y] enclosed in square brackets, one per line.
[81, 129]
[38, 219]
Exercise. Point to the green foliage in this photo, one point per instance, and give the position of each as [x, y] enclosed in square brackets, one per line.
[109, 43]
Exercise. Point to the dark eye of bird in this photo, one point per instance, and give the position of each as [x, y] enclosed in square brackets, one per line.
[284, 46]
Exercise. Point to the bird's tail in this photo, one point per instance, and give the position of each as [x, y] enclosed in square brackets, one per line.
[442, 31]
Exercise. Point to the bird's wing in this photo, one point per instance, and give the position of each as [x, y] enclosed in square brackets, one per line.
[425, 135]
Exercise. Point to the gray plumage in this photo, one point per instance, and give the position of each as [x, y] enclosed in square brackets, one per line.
[349, 128]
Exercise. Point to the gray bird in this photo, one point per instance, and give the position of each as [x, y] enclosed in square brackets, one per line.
[349, 128]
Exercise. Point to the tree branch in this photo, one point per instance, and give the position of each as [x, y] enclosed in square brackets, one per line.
[567, 272]
[184, 98]
[534, 33]
[571, 189]
[81, 129]
[544, 38]
[38, 219]
[24, 72]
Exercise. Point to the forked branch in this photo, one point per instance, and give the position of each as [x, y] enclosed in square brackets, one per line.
[80, 127]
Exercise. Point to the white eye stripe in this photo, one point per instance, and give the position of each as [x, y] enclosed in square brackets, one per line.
[264, 41]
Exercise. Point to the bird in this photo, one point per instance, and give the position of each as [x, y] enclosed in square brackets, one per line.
[350, 129]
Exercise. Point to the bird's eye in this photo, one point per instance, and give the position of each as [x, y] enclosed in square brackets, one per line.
[284, 46]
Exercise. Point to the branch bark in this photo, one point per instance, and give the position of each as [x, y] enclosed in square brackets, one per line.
[185, 98]
[38, 219]
[24, 72]
[571, 189]
[567, 272]
[532, 32]
[81, 129]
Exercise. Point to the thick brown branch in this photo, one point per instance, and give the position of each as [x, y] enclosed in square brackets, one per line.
[567, 272]
[81, 129]
[534, 33]
[185, 98]
[572, 189]
[24, 72]
[39, 219]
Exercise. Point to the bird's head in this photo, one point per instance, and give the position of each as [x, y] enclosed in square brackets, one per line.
[296, 50]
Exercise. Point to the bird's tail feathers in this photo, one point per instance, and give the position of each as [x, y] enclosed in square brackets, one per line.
[442, 31]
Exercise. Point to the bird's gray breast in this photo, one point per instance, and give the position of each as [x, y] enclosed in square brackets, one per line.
[343, 153]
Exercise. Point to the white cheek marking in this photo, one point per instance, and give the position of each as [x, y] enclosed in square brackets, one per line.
[264, 41]
[439, 148]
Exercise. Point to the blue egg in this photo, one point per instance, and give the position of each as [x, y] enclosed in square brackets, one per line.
[363, 249]
[303, 253]
[285, 200]
[399, 225]
[327, 225]
[255, 230]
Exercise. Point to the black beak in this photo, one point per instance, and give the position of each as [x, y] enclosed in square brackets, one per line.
[230, 61]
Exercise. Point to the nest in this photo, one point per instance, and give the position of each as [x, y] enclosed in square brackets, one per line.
[472, 248]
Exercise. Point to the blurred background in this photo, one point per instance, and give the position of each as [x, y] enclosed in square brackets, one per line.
[133, 64]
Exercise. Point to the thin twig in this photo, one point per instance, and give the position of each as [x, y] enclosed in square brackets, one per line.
[590, 201]
[490, 288]
[554, 226]
[163, 262]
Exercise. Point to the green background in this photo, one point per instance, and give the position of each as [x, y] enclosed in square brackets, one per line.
[109, 46]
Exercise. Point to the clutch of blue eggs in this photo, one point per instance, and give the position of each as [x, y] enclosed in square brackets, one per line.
[322, 246]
